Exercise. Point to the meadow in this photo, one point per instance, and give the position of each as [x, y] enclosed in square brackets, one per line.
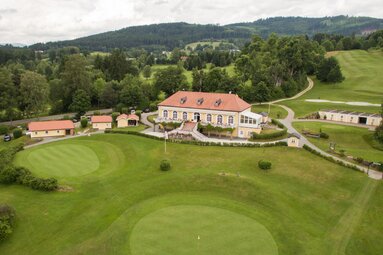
[363, 83]
[214, 200]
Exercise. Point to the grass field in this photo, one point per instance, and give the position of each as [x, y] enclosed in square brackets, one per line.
[363, 83]
[303, 205]
[276, 112]
[357, 142]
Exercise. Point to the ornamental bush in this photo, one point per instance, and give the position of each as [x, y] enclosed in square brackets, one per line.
[4, 130]
[7, 215]
[323, 135]
[264, 165]
[17, 133]
[165, 165]
[84, 122]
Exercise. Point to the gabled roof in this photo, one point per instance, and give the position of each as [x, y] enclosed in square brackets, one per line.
[101, 119]
[204, 100]
[296, 135]
[50, 125]
[128, 117]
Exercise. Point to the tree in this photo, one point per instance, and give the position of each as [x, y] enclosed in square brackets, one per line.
[170, 80]
[75, 76]
[34, 93]
[329, 71]
[109, 97]
[328, 45]
[8, 91]
[262, 92]
[99, 87]
[147, 71]
[379, 129]
[80, 102]
[132, 94]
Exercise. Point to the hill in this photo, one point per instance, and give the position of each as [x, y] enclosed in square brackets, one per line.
[166, 36]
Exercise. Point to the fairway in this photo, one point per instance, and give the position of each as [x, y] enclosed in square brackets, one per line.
[63, 160]
[124, 204]
[203, 230]
[363, 83]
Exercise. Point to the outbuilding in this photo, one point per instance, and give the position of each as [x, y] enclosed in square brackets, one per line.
[101, 122]
[125, 120]
[371, 119]
[53, 128]
[293, 140]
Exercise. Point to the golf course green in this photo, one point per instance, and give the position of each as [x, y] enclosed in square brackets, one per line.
[118, 201]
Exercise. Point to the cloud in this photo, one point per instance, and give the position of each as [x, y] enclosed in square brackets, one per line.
[26, 21]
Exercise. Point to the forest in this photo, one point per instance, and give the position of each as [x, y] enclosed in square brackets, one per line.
[68, 79]
[166, 36]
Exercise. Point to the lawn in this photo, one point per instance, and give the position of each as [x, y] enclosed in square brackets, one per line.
[357, 142]
[138, 128]
[126, 205]
[276, 112]
[363, 83]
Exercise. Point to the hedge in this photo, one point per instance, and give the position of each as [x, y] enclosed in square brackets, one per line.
[10, 174]
[165, 165]
[7, 215]
[270, 135]
[331, 159]
[264, 165]
[193, 142]
[277, 123]
[4, 130]
[17, 133]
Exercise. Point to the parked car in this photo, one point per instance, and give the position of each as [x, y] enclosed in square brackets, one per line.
[7, 138]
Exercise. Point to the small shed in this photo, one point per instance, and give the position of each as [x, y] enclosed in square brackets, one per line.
[293, 140]
[125, 120]
[101, 122]
[51, 128]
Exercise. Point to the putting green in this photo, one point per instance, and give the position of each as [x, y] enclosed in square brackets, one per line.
[63, 160]
[184, 230]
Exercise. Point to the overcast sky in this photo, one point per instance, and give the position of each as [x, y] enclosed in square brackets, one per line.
[31, 21]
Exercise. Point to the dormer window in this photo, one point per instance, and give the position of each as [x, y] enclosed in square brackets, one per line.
[183, 100]
[200, 101]
[217, 103]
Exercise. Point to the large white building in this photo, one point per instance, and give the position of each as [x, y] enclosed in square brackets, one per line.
[217, 109]
[370, 119]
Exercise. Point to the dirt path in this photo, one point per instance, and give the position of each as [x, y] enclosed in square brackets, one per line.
[341, 233]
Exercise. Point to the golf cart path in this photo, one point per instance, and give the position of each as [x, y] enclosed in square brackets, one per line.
[341, 233]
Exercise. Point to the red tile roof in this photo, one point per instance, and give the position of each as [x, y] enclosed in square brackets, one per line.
[129, 117]
[211, 101]
[101, 119]
[50, 125]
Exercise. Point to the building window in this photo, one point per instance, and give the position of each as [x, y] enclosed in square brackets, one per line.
[208, 118]
[35, 133]
[219, 119]
[175, 115]
[185, 116]
[58, 131]
[231, 120]
[165, 113]
[46, 132]
[196, 116]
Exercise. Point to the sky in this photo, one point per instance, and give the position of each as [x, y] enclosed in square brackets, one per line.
[32, 21]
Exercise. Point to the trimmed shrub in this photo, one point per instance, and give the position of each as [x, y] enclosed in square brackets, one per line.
[323, 135]
[165, 165]
[84, 122]
[7, 215]
[4, 130]
[17, 133]
[264, 165]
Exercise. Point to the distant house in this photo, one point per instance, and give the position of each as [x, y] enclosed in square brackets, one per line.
[370, 119]
[125, 120]
[293, 140]
[40, 129]
[101, 122]
[216, 109]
